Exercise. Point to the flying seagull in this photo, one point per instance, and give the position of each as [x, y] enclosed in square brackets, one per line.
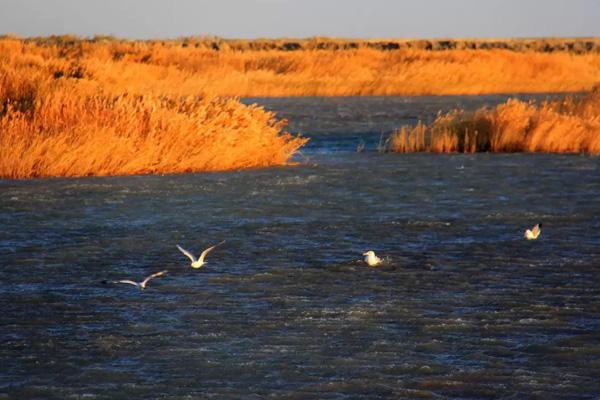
[371, 259]
[533, 233]
[199, 262]
[140, 285]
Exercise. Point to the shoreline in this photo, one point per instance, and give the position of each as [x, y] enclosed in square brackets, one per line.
[576, 44]
[263, 68]
[76, 107]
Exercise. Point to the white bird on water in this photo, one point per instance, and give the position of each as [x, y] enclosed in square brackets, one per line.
[371, 259]
[533, 233]
[198, 262]
[140, 285]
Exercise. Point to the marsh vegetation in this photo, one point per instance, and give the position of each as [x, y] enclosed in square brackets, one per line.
[103, 106]
[570, 125]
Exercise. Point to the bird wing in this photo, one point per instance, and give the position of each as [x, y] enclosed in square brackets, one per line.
[536, 230]
[187, 253]
[153, 276]
[205, 252]
[127, 281]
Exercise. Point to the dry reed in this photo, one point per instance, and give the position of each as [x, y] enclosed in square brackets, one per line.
[568, 126]
[72, 107]
[326, 67]
[59, 119]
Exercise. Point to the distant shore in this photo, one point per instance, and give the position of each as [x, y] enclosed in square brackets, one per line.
[577, 45]
[323, 66]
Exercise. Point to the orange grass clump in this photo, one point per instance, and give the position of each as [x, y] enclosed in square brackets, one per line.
[568, 126]
[69, 124]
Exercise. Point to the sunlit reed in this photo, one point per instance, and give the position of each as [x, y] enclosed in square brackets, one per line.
[568, 126]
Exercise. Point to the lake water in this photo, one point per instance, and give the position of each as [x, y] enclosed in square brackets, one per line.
[463, 307]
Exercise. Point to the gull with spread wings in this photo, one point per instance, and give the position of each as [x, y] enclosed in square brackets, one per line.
[140, 285]
[198, 262]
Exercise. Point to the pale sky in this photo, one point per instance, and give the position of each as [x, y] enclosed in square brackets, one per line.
[303, 18]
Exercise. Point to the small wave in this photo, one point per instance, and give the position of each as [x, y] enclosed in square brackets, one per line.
[296, 180]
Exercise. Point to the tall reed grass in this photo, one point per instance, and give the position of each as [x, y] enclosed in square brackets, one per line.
[568, 126]
[73, 107]
[61, 118]
[323, 67]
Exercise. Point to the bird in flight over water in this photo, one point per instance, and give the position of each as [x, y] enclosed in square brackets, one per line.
[140, 285]
[198, 262]
[533, 233]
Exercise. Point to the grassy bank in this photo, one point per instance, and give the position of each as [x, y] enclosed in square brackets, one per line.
[568, 126]
[326, 67]
[59, 118]
[102, 106]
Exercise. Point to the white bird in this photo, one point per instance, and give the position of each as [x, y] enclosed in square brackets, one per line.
[140, 285]
[198, 262]
[371, 259]
[533, 233]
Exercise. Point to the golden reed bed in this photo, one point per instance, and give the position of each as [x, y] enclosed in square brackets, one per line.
[568, 126]
[59, 119]
[101, 106]
[323, 67]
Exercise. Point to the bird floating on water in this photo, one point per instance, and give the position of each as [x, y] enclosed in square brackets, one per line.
[140, 285]
[533, 233]
[198, 262]
[371, 259]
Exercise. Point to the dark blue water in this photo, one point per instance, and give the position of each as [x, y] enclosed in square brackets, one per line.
[463, 308]
[345, 123]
